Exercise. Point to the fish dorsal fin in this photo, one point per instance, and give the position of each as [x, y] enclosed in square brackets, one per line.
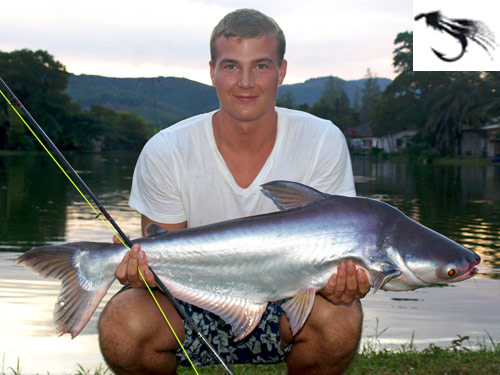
[287, 195]
[299, 307]
[380, 278]
[154, 230]
[243, 315]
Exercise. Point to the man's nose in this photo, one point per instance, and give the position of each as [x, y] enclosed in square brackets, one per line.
[246, 79]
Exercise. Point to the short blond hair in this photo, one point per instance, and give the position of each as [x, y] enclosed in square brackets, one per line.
[248, 23]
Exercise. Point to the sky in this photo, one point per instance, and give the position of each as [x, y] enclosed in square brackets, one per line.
[151, 38]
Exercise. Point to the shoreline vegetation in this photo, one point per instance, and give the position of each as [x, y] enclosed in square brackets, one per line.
[461, 358]
[395, 157]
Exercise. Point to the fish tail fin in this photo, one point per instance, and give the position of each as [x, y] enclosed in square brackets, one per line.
[79, 295]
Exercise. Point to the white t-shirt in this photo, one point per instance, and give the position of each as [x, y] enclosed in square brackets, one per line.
[181, 175]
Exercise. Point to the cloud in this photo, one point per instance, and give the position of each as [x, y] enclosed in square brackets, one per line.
[157, 37]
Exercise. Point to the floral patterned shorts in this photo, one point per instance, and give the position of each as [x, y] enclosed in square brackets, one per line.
[261, 346]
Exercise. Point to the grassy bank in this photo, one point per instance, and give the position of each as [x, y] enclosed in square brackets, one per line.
[457, 360]
[430, 361]
[464, 161]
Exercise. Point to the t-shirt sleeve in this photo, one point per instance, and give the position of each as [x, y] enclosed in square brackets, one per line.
[333, 172]
[156, 184]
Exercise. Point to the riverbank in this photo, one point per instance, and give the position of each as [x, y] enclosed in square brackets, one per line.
[457, 359]
[434, 360]
[427, 157]
[465, 161]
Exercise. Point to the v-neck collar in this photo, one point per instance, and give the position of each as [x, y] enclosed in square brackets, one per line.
[223, 168]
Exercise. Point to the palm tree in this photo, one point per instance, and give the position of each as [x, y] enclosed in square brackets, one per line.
[461, 104]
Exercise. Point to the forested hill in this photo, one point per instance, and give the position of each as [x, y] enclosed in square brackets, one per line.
[310, 91]
[164, 100]
[161, 101]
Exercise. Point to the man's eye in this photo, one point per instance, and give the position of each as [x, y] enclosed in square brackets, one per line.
[230, 67]
[261, 66]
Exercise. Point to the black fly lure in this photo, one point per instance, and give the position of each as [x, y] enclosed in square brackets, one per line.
[461, 29]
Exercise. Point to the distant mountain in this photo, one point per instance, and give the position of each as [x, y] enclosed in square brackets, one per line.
[164, 100]
[310, 91]
[160, 100]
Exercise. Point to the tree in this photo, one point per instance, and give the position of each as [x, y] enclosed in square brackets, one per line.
[371, 95]
[491, 91]
[407, 102]
[333, 104]
[39, 82]
[82, 132]
[441, 104]
[460, 104]
[403, 53]
[126, 131]
[393, 114]
[286, 100]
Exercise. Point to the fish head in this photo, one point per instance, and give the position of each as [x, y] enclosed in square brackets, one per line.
[426, 257]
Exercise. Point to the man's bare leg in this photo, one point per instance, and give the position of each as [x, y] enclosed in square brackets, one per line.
[134, 337]
[329, 340]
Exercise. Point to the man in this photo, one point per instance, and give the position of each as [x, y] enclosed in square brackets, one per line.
[209, 168]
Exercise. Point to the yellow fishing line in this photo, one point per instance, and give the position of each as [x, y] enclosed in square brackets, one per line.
[106, 223]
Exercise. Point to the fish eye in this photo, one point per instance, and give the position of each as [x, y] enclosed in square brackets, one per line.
[452, 272]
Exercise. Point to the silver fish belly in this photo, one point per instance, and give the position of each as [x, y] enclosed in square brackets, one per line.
[234, 268]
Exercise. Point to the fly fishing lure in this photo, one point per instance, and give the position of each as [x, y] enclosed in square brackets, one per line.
[461, 29]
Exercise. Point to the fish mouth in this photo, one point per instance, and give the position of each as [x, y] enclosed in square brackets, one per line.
[472, 269]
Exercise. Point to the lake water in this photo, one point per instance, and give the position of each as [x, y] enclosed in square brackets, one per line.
[38, 206]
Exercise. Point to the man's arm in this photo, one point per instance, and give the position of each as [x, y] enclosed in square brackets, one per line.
[145, 221]
[127, 272]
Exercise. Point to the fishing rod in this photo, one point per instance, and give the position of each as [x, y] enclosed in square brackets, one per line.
[123, 238]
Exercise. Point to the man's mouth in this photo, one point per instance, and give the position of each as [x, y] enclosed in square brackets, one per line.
[246, 98]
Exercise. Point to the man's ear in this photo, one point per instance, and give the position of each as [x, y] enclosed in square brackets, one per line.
[282, 72]
[212, 71]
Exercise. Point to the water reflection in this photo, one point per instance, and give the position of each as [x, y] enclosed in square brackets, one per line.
[434, 315]
[27, 330]
[40, 206]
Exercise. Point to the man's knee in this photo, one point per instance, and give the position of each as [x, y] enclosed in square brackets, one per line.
[340, 326]
[329, 340]
[119, 332]
[341, 334]
[134, 335]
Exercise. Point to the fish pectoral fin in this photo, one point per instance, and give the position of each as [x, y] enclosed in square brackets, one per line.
[242, 314]
[380, 278]
[154, 230]
[243, 317]
[299, 307]
[287, 195]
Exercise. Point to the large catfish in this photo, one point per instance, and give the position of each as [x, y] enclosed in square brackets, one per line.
[234, 268]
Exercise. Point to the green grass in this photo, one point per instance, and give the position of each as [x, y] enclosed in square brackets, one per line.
[461, 358]
[464, 161]
[430, 361]
[457, 359]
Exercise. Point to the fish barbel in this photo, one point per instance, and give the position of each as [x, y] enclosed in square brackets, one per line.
[234, 268]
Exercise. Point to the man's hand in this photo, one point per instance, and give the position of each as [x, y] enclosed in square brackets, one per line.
[347, 284]
[128, 270]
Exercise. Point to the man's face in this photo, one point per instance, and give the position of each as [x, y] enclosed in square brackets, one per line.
[246, 75]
